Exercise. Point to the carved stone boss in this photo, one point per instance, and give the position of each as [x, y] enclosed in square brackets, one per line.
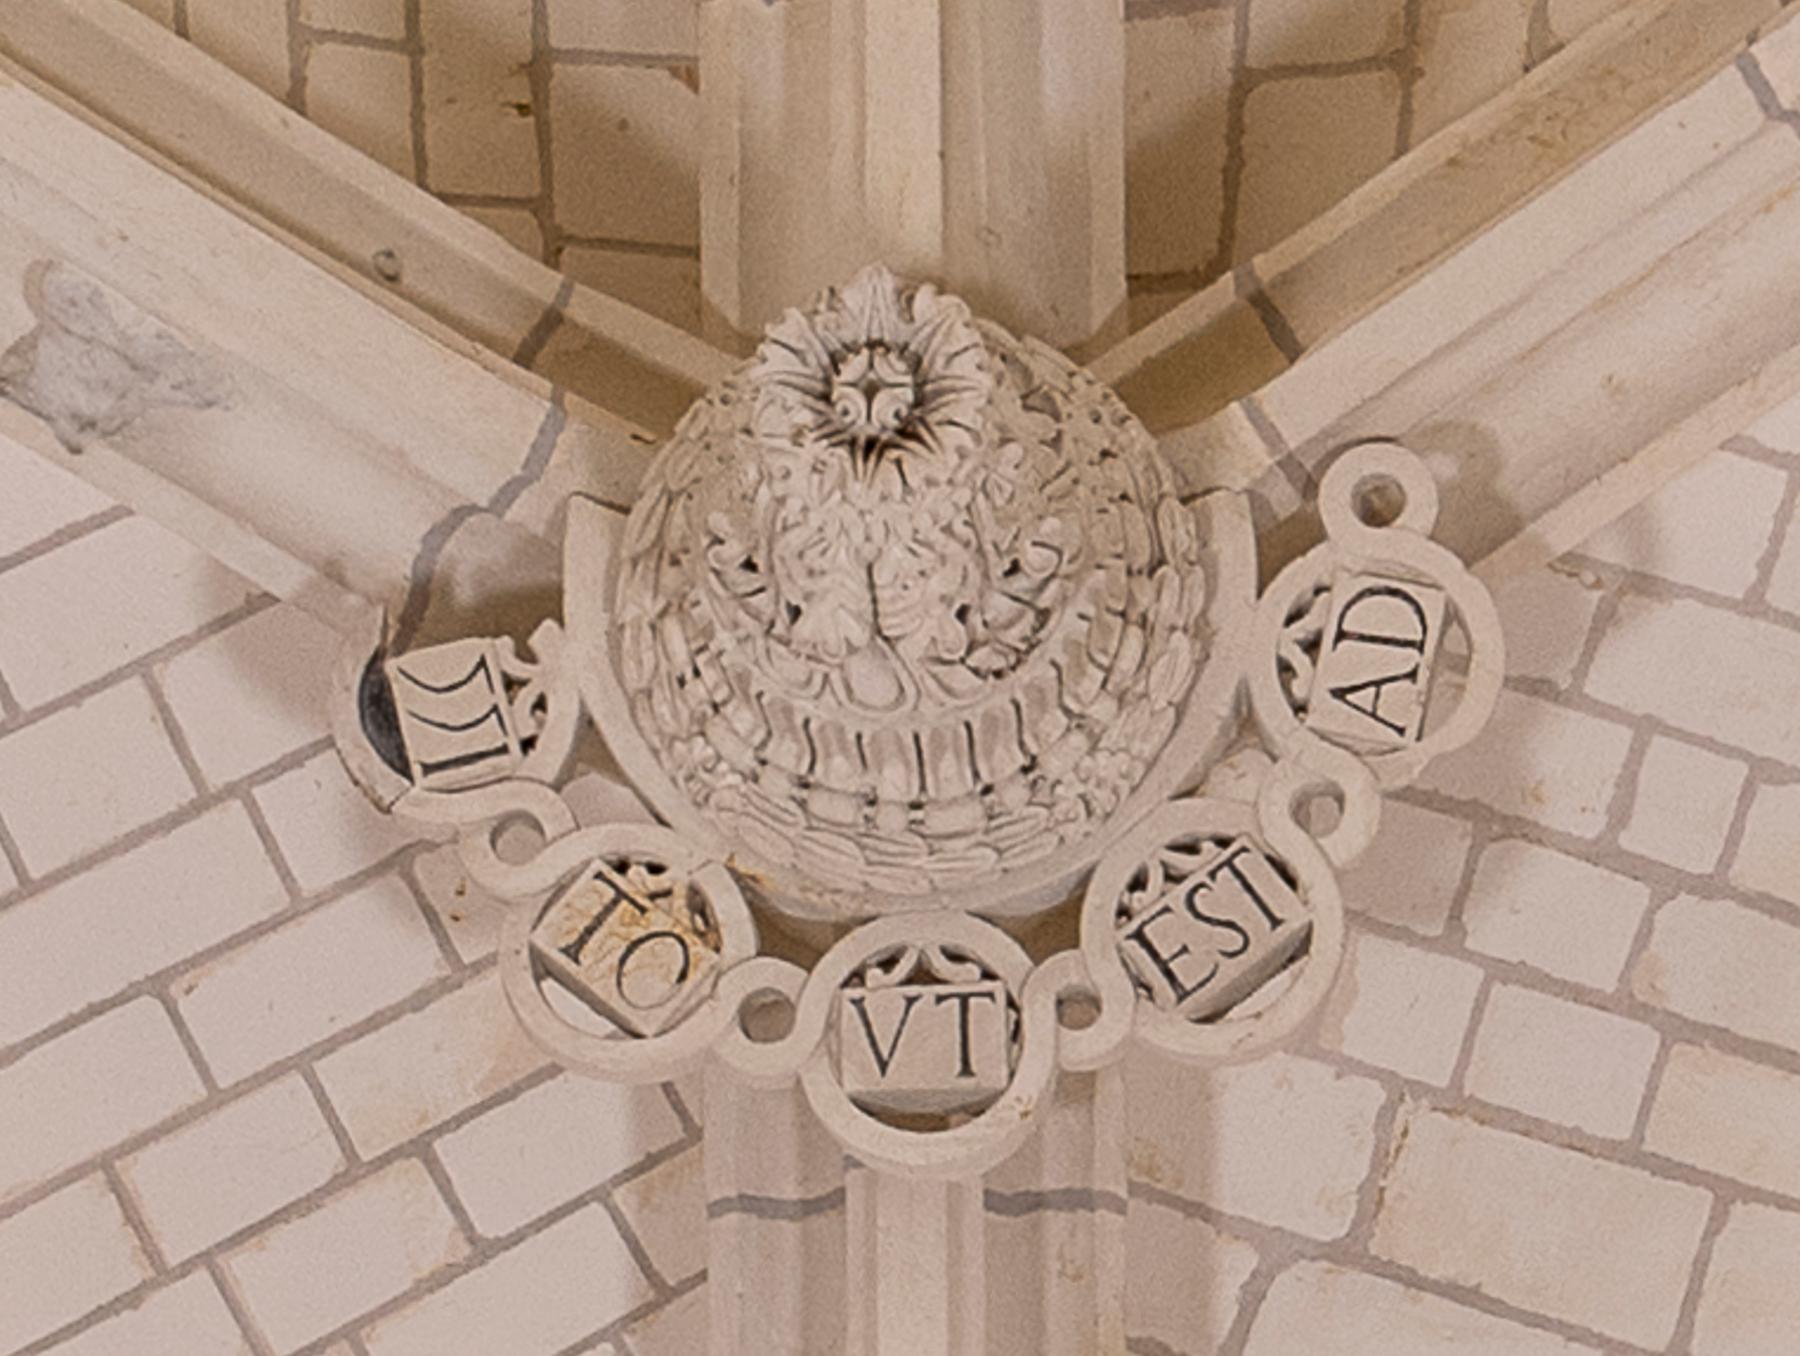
[907, 641]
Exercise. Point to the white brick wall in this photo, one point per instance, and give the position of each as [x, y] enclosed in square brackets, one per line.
[1284, 1141]
[1553, 1231]
[88, 1090]
[1316, 1306]
[256, 1154]
[1554, 912]
[188, 1316]
[1562, 1061]
[536, 1299]
[326, 970]
[550, 1145]
[371, 1241]
[253, 692]
[86, 774]
[232, 1045]
[406, 1077]
[85, 939]
[62, 1257]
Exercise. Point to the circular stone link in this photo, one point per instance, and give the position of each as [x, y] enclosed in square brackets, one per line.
[1233, 1035]
[988, 1137]
[1327, 771]
[622, 1057]
[1398, 553]
[1364, 470]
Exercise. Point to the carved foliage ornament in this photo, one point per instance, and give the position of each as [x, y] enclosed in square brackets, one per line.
[908, 627]
[907, 607]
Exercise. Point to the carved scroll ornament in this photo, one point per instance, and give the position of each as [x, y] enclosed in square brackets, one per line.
[908, 635]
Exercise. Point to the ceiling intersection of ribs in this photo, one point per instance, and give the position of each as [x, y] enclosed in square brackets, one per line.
[909, 636]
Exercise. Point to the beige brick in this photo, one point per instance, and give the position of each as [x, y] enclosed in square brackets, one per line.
[536, 1299]
[1746, 694]
[666, 286]
[188, 1317]
[1409, 874]
[539, 1150]
[480, 136]
[639, 27]
[1675, 533]
[627, 149]
[62, 1257]
[470, 915]
[515, 225]
[1552, 911]
[1571, 18]
[163, 11]
[371, 18]
[680, 1328]
[1303, 32]
[1751, 1306]
[1729, 1116]
[1468, 53]
[308, 979]
[8, 881]
[1725, 965]
[1768, 858]
[1562, 1061]
[87, 938]
[1784, 579]
[1539, 1226]
[1177, 81]
[362, 1247]
[81, 777]
[1315, 1306]
[1540, 762]
[90, 1089]
[326, 828]
[135, 587]
[1400, 1008]
[403, 1078]
[252, 693]
[1183, 1279]
[40, 497]
[1686, 799]
[1545, 616]
[1283, 1141]
[250, 36]
[666, 1209]
[1308, 141]
[364, 96]
[235, 1166]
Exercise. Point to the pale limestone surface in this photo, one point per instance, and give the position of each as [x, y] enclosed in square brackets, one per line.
[579, 140]
[1529, 965]
[1417, 1115]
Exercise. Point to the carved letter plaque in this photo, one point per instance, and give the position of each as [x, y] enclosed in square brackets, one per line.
[1216, 936]
[1375, 661]
[636, 964]
[454, 715]
[923, 1047]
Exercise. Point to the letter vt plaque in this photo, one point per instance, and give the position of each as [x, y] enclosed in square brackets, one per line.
[924, 1047]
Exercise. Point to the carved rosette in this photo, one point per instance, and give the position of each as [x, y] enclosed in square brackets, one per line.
[907, 604]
